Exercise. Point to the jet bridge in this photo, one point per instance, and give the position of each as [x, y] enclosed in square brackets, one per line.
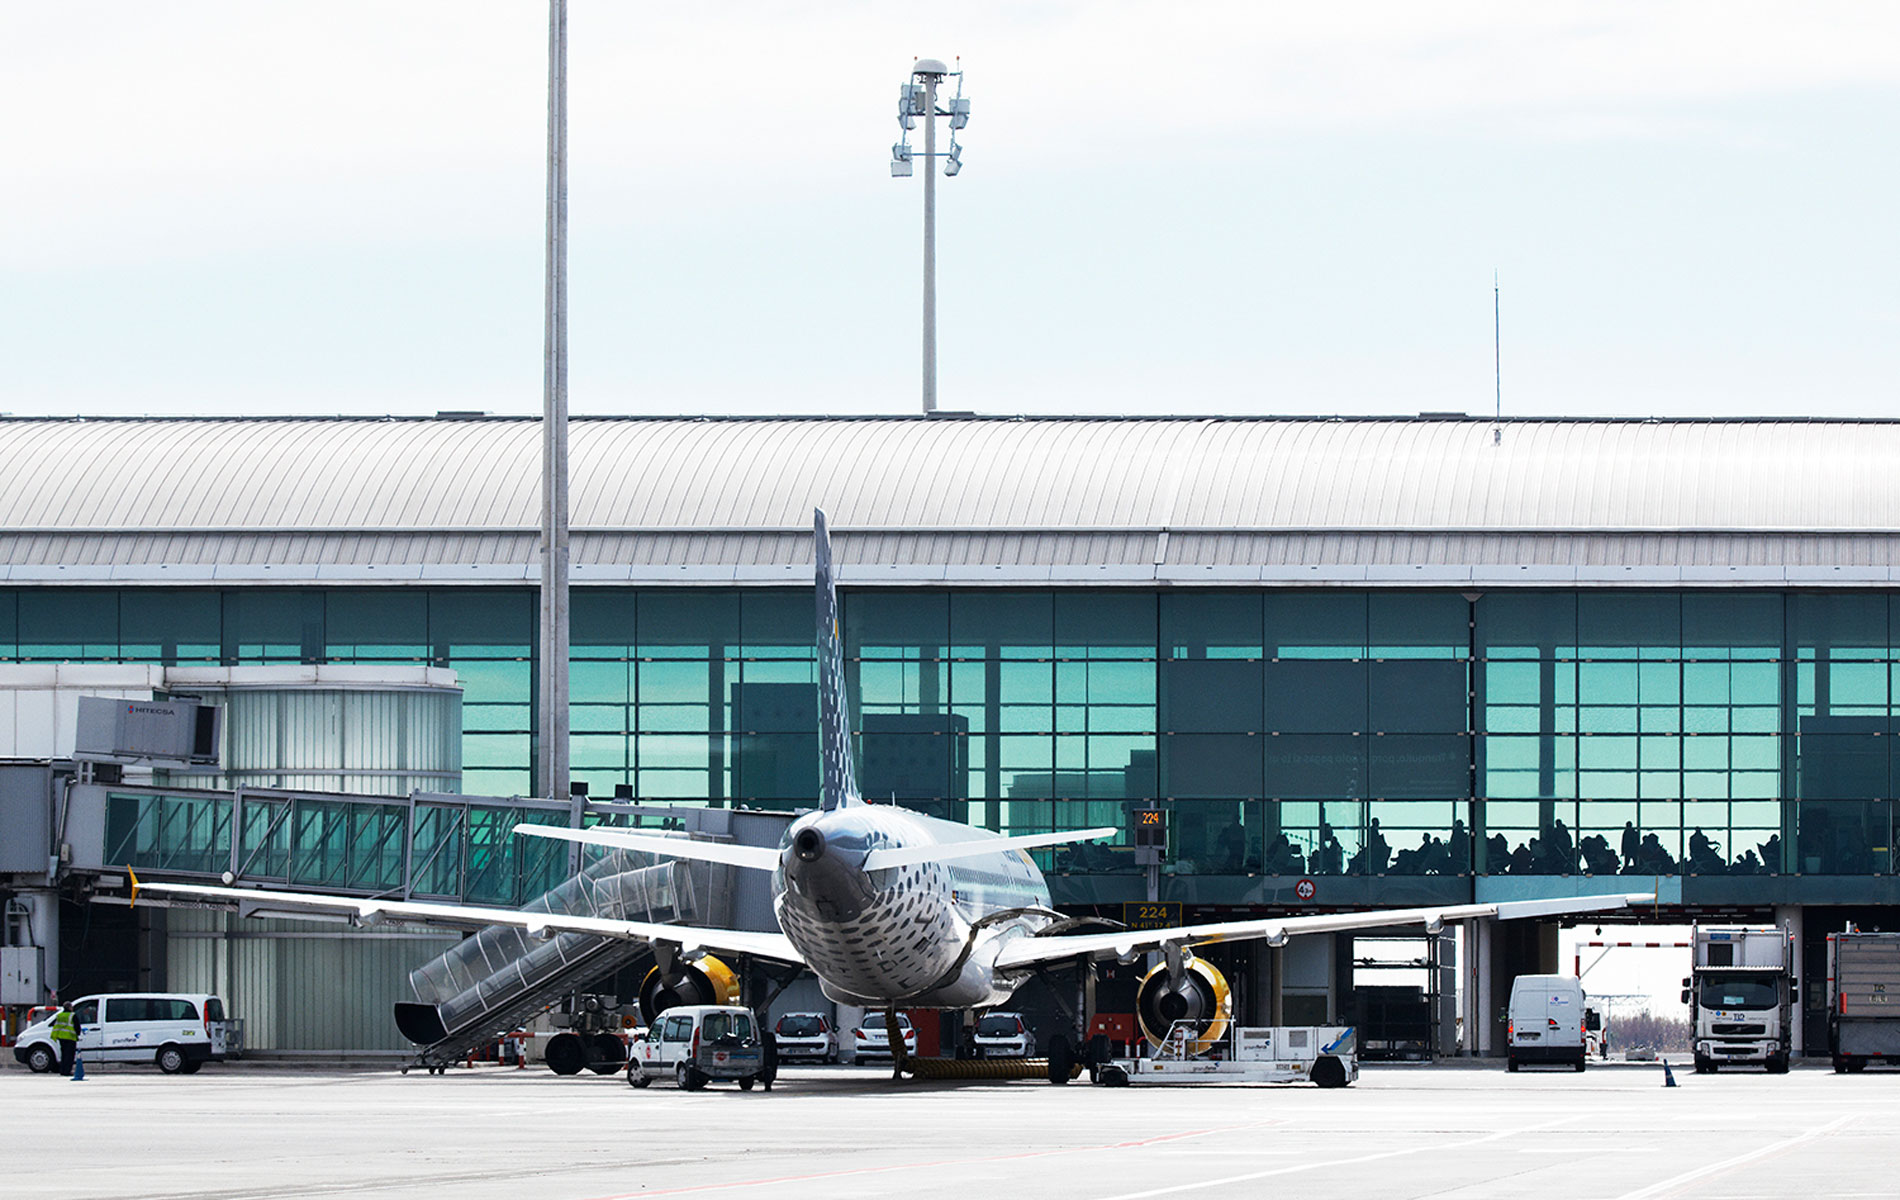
[495, 980]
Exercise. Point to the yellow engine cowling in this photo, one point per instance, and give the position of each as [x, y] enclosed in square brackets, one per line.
[704, 981]
[1202, 1000]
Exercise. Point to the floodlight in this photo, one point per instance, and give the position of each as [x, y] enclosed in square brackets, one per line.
[959, 113]
[954, 162]
[900, 168]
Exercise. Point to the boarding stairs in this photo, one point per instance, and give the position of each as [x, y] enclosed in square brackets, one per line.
[495, 981]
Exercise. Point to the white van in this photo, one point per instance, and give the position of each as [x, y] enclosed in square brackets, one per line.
[179, 1031]
[698, 1043]
[1546, 1021]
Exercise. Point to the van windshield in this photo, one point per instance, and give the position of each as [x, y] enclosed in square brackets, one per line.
[1743, 991]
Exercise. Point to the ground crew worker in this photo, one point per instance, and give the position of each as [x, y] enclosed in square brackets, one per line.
[65, 1035]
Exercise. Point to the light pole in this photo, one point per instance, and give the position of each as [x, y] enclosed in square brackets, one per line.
[915, 99]
[553, 722]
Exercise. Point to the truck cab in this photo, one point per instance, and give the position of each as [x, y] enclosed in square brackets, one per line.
[1741, 997]
[698, 1043]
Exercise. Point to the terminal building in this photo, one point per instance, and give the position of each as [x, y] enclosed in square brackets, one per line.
[1361, 662]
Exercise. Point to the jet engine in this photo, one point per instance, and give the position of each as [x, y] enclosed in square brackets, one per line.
[704, 981]
[1194, 1002]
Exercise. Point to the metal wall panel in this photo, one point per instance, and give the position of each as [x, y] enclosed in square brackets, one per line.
[303, 986]
[297, 492]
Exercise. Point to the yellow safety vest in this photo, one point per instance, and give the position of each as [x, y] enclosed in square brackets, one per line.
[63, 1030]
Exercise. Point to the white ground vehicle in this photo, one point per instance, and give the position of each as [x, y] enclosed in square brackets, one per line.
[696, 1044]
[1002, 1035]
[1742, 996]
[180, 1032]
[806, 1036]
[1546, 1021]
[871, 1039]
[1323, 1055]
[1863, 1002]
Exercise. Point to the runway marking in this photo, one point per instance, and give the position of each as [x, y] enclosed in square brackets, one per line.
[1137, 1144]
[1670, 1185]
[1336, 1162]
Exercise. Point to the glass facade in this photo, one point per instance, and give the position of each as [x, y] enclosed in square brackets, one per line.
[1305, 732]
[431, 847]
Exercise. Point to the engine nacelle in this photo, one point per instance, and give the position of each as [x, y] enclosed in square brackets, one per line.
[704, 981]
[1200, 998]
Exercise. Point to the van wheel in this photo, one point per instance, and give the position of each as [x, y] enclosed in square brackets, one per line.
[745, 1085]
[1581, 1064]
[194, 1066]
[1840, 1065]
[41, 1059]
[637, 1077]
[690, 1080]
[1510, 1064]
[171, 1060]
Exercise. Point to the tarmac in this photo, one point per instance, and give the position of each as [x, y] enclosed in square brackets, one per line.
[1455, 1131]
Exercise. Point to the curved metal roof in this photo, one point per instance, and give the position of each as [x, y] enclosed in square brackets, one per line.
[1075, 500]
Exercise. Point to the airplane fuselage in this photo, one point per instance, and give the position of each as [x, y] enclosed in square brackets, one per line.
[923, 935]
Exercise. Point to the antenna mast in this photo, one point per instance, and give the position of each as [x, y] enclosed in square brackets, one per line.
[1497, 357]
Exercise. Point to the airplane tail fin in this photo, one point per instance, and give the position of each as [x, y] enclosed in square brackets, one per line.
[838, 785]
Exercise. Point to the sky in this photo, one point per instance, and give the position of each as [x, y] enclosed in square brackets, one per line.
[337, 206]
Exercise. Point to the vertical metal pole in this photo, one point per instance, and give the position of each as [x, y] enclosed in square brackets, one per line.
[553, 718]
[930, 243]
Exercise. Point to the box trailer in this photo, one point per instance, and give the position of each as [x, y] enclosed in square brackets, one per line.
[1863, 999]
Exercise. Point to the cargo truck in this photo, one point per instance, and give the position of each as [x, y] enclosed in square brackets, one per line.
[1863, 999]
[1741, 996]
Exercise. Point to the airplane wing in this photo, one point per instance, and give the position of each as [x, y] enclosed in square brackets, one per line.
[756, 858]
[1028, 951]
[909, 856]
[359, 911]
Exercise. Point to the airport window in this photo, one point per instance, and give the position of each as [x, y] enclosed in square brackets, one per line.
[69, 625]
[1211, 625]
[1316, 624]
[170, 626]
[385, 625]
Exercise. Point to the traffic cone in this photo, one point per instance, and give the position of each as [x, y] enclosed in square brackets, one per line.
[79, 1066]
[1669, 1077]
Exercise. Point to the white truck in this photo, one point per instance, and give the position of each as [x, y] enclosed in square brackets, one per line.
[1863, 1001]
[1742, 996]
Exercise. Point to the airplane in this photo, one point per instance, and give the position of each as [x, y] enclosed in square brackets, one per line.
[889, 908]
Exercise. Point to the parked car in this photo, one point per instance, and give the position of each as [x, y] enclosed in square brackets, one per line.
[698, 1043]
[1002, 1035]
[179, 1032]
[872, 1040]
[808, 1036]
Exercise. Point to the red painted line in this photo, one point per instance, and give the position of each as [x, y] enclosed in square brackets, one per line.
[949, 1162]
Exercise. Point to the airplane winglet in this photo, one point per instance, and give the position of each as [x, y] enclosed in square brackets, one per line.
[135, 886]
